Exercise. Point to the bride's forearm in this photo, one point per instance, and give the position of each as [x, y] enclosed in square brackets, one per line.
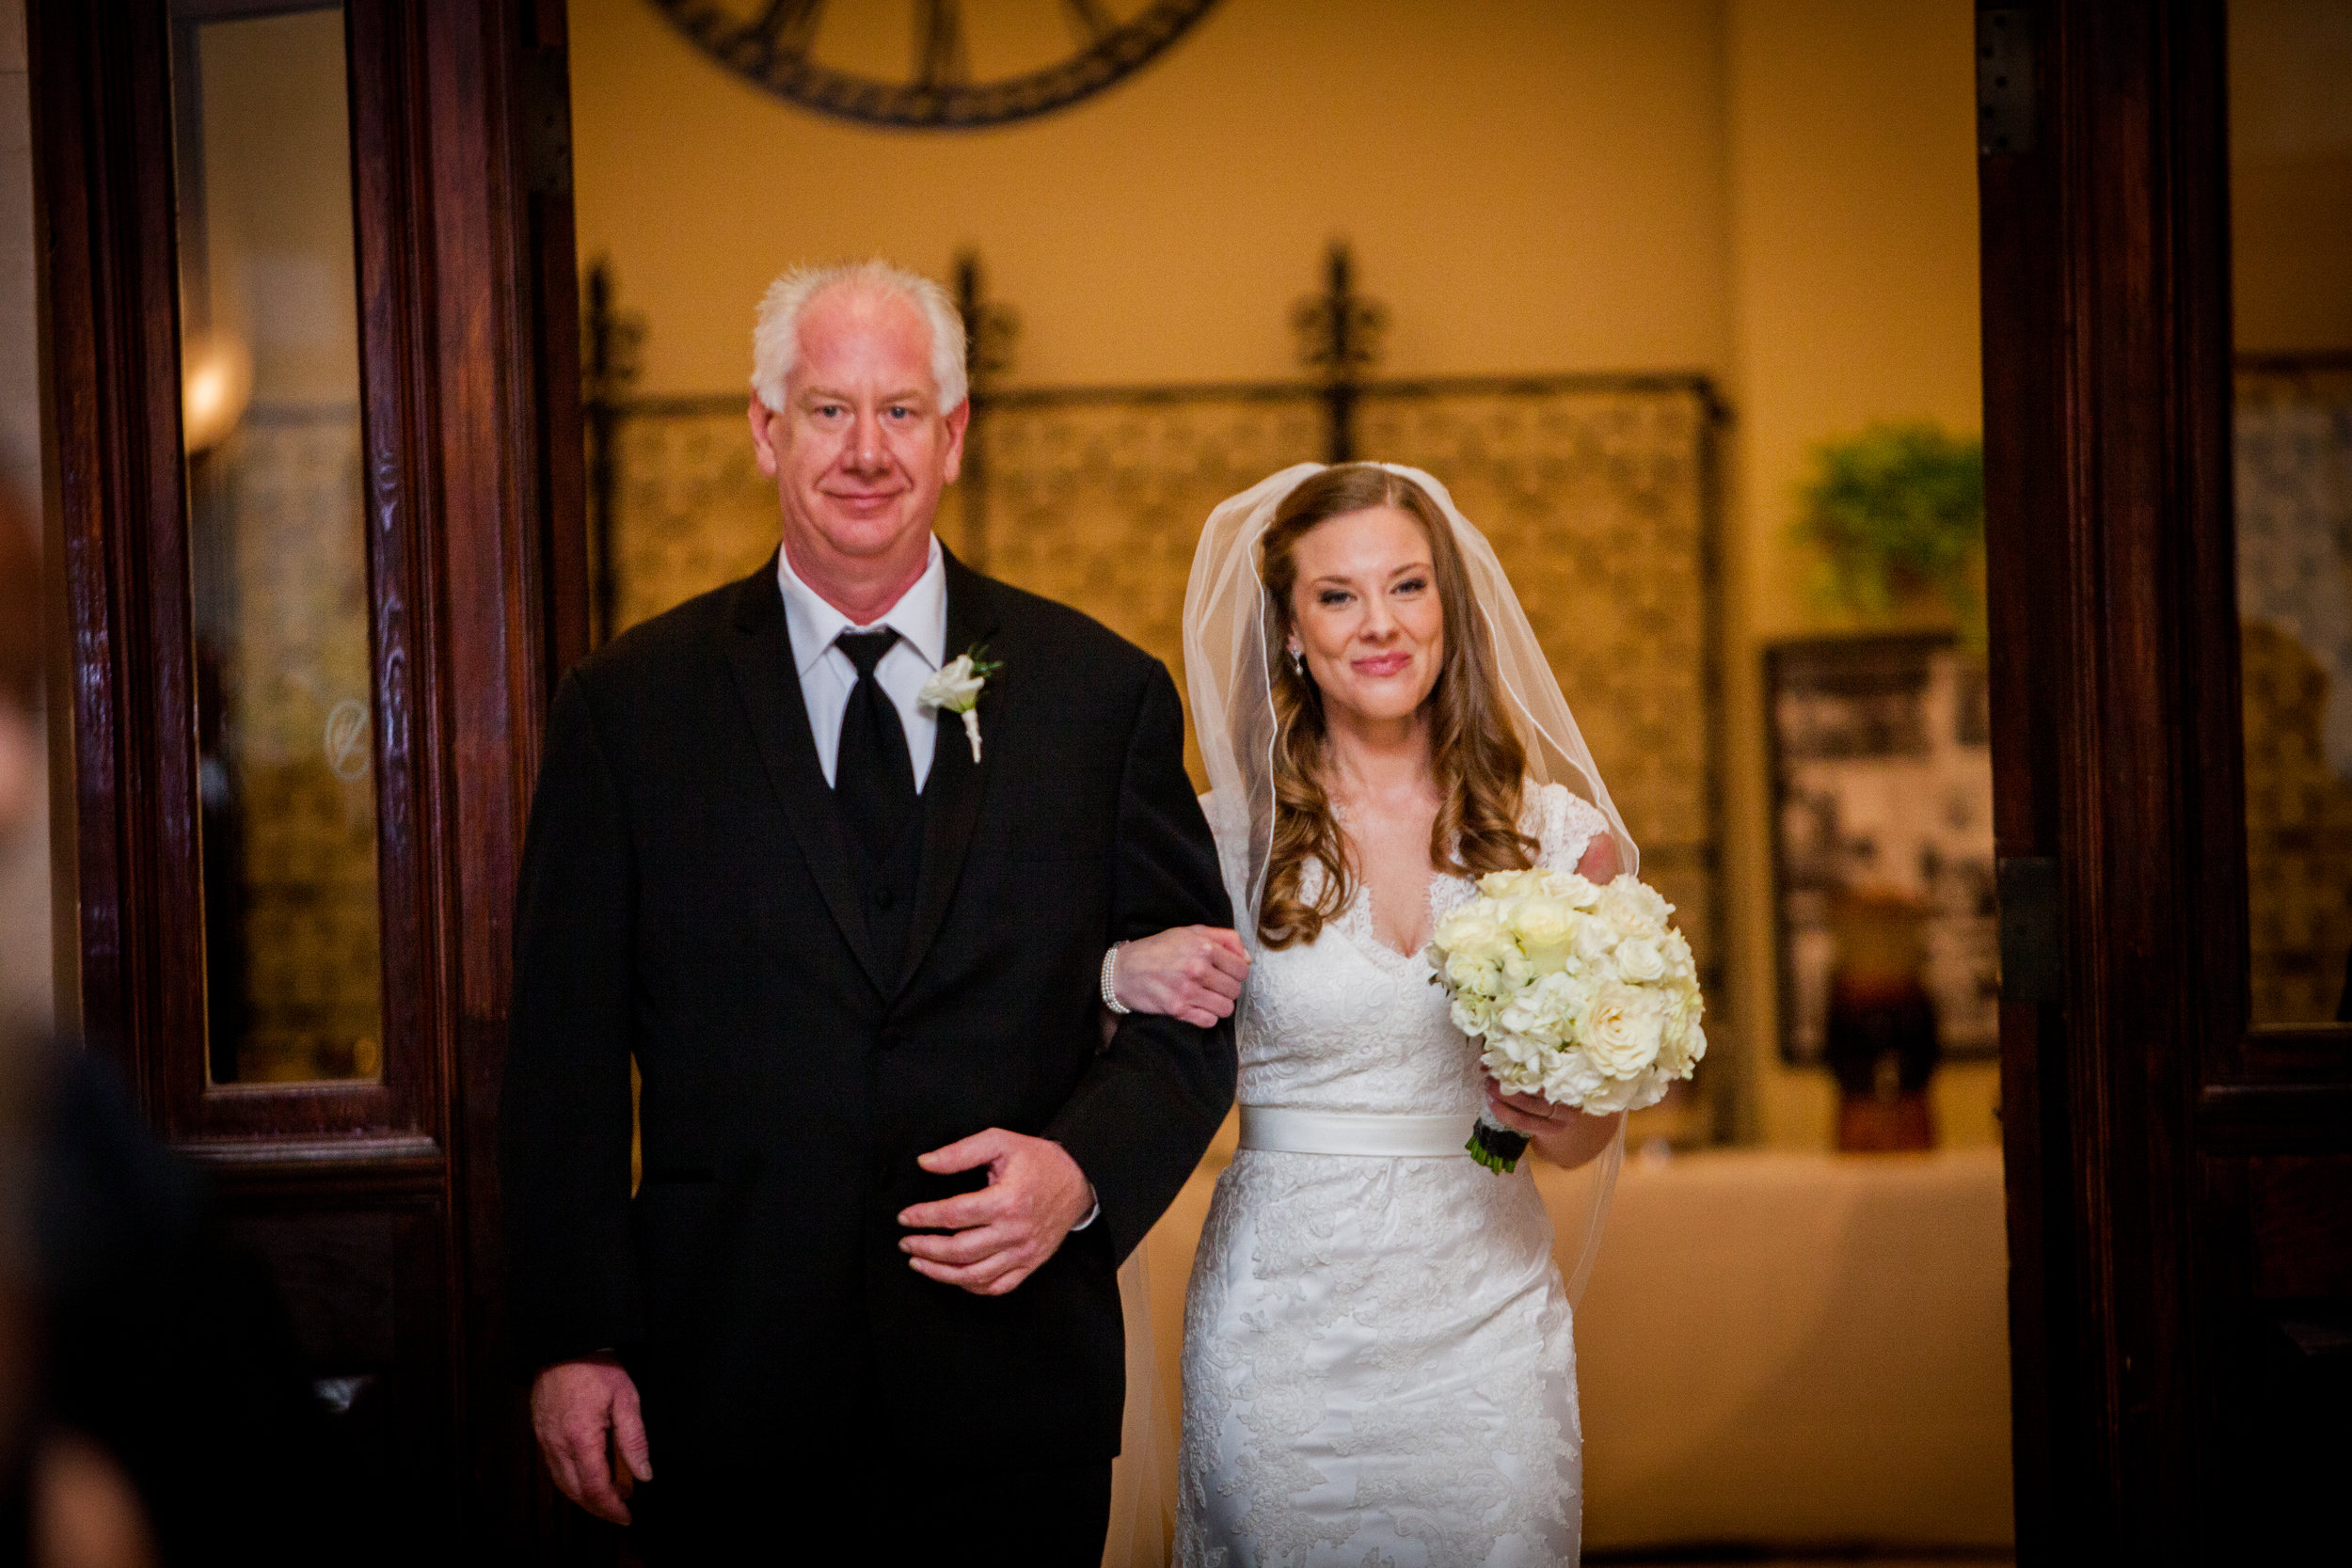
[1580, 1142]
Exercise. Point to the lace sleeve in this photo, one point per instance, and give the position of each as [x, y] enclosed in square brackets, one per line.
[1565, 823]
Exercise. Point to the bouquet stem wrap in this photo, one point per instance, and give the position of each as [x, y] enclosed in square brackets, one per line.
[1495, 1148]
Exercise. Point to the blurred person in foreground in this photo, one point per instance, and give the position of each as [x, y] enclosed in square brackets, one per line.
[150, 1408]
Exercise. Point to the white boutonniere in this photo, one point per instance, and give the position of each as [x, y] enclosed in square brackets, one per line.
[956, 690]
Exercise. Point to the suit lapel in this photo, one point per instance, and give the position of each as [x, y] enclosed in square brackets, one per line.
[951, 796]
[768, 680]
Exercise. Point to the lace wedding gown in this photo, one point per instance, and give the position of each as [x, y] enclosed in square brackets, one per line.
[1377, 1362]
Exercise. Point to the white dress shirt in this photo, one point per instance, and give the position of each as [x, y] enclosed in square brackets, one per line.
[828, 677]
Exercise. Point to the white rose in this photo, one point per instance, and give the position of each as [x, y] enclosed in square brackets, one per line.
[1475, 934]
[1642, 897]
[1683, 1043]
[1621, 1029]
[1544, 927]
[1618, 906]
[1640, 961]
[1546, 921]
[1510, 884]
[1593, 940]
[956, 688]
[1473, 977]
[1574, 888]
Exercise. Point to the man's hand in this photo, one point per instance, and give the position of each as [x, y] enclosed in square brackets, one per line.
[582, 1411]
[1003, 1232]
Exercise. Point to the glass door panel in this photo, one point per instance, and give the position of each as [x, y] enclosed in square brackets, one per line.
[2291, 254]
[270, 367]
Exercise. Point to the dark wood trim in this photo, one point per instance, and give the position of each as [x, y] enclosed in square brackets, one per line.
[2024, 414]
[392, 201]
[408, 1153]
[2075, 284]
[96, 80]
[540, 114]
[2132, 1011]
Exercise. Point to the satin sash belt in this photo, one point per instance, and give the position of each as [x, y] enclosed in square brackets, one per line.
[1280, 1132]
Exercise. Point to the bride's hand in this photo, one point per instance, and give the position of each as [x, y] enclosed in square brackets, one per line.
[1561, 1134]
[1530, 1114]
[1192, 973]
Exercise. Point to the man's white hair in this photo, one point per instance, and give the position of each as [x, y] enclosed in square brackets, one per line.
[777, 334]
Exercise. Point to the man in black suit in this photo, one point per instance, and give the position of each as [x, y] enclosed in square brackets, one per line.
[890, 1166]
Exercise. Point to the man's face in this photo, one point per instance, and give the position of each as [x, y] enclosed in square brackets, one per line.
[860, 451]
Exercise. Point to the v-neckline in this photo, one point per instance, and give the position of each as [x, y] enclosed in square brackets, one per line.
[1362, 899]
[1361, 927]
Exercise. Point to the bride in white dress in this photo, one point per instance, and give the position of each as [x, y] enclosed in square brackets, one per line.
[1377, 1364]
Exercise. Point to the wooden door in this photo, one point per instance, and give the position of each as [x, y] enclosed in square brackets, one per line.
[316, 473]
[2180, 1179]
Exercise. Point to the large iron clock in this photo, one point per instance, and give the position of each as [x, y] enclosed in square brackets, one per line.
[777, 44]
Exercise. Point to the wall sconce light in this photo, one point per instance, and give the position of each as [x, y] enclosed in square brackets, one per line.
[217, 383]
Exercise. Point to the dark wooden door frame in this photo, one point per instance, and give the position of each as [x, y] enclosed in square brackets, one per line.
[2138, 1107]
[471, 459]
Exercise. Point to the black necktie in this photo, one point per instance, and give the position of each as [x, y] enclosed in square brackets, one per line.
[873, 778]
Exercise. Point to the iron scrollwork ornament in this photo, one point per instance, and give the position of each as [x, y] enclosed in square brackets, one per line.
[776, 46]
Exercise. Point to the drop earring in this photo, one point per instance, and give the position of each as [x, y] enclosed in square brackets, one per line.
[1298, 662]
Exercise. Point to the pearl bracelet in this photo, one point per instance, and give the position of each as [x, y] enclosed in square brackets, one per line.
[1110, 992]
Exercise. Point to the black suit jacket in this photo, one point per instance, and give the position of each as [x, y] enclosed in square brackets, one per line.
[688, 901]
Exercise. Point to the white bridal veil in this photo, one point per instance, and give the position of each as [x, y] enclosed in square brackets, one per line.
[1230, 637]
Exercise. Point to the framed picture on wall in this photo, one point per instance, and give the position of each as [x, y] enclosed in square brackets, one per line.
[1883, 836]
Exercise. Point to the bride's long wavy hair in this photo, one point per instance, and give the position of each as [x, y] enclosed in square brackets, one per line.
[1476, 755]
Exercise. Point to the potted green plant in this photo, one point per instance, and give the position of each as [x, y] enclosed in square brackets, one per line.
[1895, 512]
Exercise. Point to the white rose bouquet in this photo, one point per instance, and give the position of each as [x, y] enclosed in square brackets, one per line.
[1581, 994]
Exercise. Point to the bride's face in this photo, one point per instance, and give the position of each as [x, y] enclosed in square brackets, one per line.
[1364, 611]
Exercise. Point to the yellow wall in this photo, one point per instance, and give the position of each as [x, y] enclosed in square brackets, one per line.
[1779, 194]
[1530, 188]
